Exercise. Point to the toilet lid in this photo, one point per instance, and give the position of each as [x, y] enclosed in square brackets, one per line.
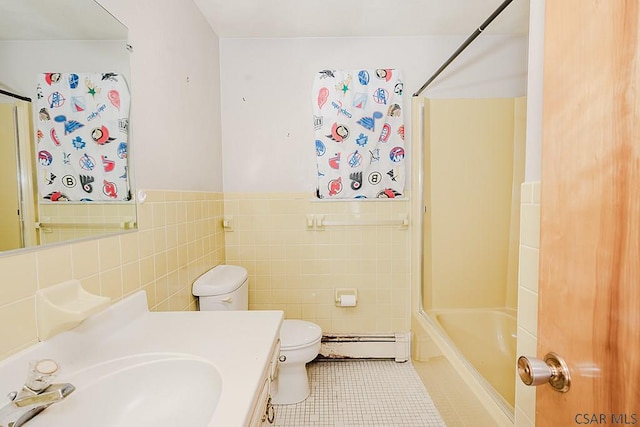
[220, 280]
[299, 333]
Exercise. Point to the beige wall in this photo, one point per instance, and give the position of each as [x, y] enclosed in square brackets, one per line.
[277, 147]
[469, 169]
[295, 268]
[175, 89]
[175, 145]
[519, 149]
[180, 237]
[528, 296]
[78, 220]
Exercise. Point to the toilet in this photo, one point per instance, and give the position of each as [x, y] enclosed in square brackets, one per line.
[299, 345]
[225, 287]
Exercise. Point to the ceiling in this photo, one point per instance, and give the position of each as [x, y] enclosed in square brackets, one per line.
[360, 18]
[84, 20]
[57, 20]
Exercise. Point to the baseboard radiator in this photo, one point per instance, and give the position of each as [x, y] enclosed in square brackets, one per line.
[389, 346]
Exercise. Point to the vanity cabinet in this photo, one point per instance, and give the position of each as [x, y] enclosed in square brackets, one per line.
[263, 411]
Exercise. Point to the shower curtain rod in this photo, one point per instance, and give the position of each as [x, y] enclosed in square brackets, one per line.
[13, 95]
[464, 45]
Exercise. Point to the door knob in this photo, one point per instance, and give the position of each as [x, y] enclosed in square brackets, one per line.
[552, 370]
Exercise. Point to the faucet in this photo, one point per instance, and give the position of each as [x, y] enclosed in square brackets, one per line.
[37, 394]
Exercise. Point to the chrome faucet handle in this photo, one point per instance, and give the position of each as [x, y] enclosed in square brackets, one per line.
[36, 394]
[27, 404]
[53, 393]
[41, 374]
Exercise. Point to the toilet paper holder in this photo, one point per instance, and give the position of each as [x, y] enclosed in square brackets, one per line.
[346, 297]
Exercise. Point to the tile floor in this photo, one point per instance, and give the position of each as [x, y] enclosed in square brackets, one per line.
[362, 393]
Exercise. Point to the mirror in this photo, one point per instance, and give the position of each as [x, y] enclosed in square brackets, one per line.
[62, 37]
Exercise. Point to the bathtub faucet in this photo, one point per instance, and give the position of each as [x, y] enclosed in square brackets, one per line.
[36, 395]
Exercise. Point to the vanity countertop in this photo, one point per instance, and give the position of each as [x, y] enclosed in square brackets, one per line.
[238, 343]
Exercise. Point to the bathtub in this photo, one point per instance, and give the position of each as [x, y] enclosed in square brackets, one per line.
[487, 339]
[481, 345]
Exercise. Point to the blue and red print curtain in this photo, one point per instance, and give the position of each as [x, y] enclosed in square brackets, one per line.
[82, 137]
[359, 130]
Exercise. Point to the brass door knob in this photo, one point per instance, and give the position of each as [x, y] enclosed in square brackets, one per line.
[552, 370]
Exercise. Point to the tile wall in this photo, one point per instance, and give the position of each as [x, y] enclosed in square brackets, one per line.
[180, 236]
[528, 296]
[72, 220]
[295, 267]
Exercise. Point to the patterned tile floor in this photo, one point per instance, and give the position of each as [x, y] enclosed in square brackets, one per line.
[362, 393]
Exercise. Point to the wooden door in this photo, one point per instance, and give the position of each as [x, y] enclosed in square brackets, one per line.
[589, 306]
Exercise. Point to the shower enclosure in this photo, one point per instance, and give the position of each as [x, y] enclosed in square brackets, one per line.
[470, 168]
[16, 177]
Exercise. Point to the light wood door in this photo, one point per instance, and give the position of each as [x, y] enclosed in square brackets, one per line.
[589, 306]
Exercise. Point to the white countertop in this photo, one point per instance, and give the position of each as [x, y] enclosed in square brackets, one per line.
[238, 343]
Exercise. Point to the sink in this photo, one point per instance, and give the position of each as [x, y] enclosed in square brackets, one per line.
[133, 367]
[158, 389]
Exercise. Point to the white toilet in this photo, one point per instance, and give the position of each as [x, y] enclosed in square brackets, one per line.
[299, 345]
[225, 287]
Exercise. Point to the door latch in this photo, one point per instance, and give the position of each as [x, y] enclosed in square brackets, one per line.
[553, 370]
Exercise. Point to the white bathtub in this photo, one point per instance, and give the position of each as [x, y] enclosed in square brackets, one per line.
[487, 340]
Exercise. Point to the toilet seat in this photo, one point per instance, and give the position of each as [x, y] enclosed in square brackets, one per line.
[296, 334]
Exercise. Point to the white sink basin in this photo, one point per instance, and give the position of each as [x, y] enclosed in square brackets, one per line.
[160, 389]
[133, 367]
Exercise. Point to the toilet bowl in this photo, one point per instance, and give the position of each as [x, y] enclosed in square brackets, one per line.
[299, 345]
[225, 287]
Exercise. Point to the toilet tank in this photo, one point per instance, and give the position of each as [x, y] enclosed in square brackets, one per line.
[224, 287]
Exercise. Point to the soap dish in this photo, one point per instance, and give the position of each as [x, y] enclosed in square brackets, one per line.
[63, 306]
